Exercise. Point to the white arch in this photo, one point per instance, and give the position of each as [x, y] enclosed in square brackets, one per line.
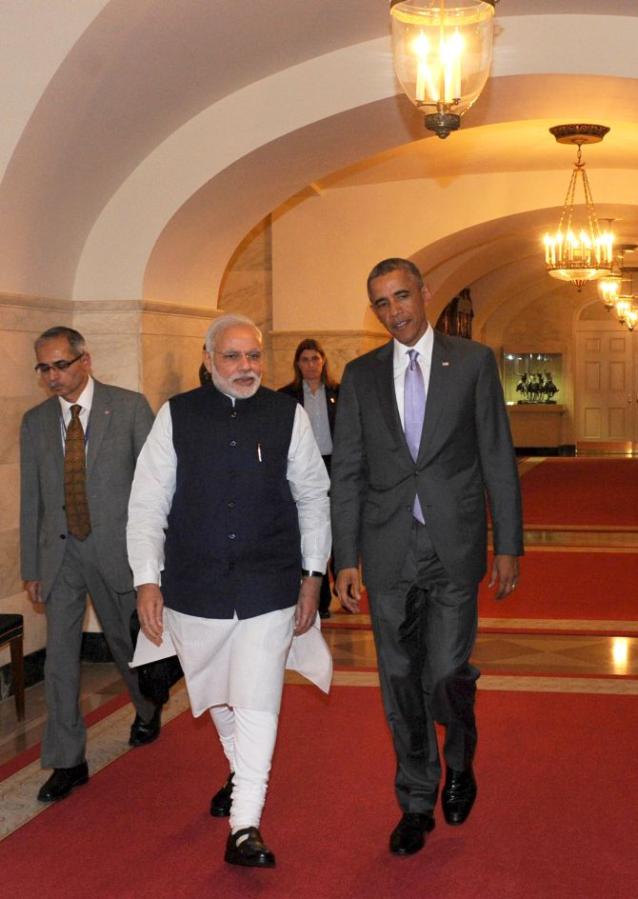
[258, 114]
[59, 25]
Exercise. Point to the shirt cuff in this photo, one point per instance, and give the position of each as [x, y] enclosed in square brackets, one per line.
[147, 574]
[314, 564]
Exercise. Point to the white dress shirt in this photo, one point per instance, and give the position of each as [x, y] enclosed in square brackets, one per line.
[401, 360]
[85, 400]
[154, 486]
[316, 406]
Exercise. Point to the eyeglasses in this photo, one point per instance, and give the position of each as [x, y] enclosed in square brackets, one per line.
[233, 356]
[61, 365]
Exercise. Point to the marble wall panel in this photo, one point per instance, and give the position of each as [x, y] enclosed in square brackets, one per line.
[10, 580]
[247, 289]
[10, 505]
[163, 319]
[170, 365]
[33, 314]
[111, 331]
[340, 347]
[12, 409]
[116, 359]
[171, 343]
[18, 359]
[249, 293]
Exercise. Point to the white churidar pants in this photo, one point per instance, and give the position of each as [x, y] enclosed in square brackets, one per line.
[236, 669]
[248, 740]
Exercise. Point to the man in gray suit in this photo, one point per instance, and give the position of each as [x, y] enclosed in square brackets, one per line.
[422, 437]
[73, 538]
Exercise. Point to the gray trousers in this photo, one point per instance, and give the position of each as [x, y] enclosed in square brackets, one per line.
[424, 630]
[64, 741]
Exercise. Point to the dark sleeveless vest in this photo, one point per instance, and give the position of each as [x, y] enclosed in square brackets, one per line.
[232, 541]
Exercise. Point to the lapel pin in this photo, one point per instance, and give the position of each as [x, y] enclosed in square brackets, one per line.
[446, 364]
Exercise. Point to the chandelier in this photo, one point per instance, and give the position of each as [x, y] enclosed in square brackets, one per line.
[579, 252]
[442, 53]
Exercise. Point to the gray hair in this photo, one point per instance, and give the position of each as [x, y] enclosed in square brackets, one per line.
[75, 340]
[222, 324]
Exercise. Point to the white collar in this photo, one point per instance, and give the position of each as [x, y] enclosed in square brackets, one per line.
[85, 399]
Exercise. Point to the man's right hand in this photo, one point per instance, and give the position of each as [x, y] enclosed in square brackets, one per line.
[348, 587]
[33, 588]
[149, 610]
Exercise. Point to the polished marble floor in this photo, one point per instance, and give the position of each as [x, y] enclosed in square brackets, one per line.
[584, 657]
[501, 655]
[512, 662]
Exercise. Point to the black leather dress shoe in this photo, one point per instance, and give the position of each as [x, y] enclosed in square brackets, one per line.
[247, 848]
[143, 732]
[458, 795]
[62, 782]
[222, 800]
[408, 836]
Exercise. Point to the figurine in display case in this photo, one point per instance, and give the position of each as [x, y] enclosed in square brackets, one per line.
[536, 387]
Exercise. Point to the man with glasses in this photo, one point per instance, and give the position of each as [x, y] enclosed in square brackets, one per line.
[229, 509]
[78, 453]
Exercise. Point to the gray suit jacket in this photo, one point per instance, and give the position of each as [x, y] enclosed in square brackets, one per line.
[118, 426]
[466, 455]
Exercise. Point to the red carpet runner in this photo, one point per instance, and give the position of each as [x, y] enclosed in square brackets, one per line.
[601, 492]
[570, 585]
[555, 818]
[577, 586]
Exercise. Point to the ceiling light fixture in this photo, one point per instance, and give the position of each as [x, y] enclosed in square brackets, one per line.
[579, 253]
[610, 286]
[442, 53]
[626, 305]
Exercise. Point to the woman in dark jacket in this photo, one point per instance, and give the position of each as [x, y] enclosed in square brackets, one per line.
[317, 392]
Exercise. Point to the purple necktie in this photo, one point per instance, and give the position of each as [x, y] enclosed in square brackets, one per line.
[413, 415]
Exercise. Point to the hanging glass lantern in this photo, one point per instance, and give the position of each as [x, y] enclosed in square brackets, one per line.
[623, 306]
[442, 55]
[631, 317]
[609, 289]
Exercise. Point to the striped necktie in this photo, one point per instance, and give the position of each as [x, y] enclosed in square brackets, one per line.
[76, 503]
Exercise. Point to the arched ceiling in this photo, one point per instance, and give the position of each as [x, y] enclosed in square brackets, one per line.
[165, 129]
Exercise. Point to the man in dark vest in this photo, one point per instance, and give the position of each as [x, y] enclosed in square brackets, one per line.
[229, 512]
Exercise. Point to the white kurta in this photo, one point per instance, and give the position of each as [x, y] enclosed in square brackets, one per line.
[235, 662]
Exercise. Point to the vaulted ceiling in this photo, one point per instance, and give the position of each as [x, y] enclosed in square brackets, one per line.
[144, 138]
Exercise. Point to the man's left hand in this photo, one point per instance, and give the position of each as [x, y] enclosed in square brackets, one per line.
[504, 575]
[149, 611]
[307, 604]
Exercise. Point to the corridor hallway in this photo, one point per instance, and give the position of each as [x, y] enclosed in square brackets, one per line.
[571, 629]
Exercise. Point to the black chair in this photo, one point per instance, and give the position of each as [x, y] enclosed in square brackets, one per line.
[12, 632]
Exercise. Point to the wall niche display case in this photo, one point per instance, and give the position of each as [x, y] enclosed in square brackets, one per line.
[532, 378]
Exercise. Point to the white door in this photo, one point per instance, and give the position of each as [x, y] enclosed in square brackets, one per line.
[605, 389]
